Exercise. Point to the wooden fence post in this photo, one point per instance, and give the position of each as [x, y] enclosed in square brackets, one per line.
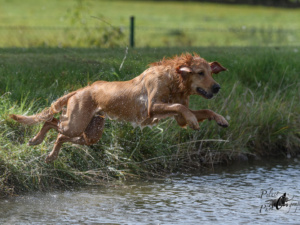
[131, 37]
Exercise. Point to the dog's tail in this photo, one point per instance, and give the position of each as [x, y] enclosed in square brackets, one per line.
[46, 114]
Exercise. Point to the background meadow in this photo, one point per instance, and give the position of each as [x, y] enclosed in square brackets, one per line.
[87, 23]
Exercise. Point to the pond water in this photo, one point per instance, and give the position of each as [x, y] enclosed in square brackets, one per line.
[232, 195]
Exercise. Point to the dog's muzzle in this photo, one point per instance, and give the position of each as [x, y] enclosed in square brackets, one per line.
[214, 90]
[204, 93]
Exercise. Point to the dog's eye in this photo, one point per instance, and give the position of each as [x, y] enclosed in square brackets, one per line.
[201, 73]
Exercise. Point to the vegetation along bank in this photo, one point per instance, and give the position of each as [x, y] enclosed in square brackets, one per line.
[259, 98]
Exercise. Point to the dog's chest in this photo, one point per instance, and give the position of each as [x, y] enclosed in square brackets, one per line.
[141, 108]
[143, 100]
[131, 111]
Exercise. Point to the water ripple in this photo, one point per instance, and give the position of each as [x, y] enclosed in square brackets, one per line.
[233, 195]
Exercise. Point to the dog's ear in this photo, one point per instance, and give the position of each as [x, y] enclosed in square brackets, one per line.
[216, 67]
[184, 70]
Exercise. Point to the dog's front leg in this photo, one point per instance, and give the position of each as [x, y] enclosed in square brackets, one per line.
[210, 115]
[173, 110]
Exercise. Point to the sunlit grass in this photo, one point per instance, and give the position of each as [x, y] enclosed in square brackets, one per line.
[157, 24]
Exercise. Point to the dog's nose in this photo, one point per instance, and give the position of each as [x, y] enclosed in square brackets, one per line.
[216, 88]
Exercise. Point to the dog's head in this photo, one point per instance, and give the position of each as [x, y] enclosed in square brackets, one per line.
[197, 76]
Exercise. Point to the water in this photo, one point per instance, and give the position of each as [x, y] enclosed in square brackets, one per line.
[231, 195]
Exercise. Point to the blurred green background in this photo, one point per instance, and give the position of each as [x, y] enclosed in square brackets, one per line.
[90, 23]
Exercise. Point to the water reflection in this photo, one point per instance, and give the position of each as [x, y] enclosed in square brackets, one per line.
[226, 196]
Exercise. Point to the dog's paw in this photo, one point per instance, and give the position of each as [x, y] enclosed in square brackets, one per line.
[221, 121]
[50, 158]
[194, 124]
[34, 141]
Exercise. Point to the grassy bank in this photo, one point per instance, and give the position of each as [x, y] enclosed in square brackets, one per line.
[259, 97]
[88, 23]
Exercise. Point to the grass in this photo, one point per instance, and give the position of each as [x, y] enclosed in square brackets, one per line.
[47, 51]
[73, 24]
[259, 96]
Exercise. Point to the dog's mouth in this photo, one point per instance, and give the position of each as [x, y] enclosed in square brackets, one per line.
[204, 93]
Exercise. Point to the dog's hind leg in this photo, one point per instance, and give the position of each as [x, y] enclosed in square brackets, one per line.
[38, 139]
[91, 135]
[94, 130]
[58, 143]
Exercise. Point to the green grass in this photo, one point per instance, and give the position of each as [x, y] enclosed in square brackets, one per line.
[260, 93]
[259, 96]
[157, 24]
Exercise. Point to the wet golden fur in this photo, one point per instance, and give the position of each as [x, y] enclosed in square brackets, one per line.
[161, 91]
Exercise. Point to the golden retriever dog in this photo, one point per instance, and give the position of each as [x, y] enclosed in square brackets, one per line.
[161, 91]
